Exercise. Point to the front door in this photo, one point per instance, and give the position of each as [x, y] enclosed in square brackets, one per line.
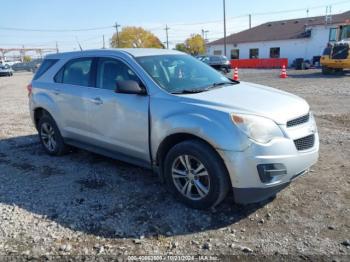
[119, 122]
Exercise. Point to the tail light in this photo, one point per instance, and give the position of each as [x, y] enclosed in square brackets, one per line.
[29, 89]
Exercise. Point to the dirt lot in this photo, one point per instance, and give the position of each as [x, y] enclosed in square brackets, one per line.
[86, 204]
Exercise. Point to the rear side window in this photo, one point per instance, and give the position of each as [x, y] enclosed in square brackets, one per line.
[45, 65]
[76, 72]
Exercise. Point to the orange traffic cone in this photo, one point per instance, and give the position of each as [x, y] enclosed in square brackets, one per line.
[235, 74]
[283, 72]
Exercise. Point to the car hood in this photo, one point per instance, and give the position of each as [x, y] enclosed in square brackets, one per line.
[254, 99]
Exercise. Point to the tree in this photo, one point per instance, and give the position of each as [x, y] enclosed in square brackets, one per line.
[195, 44]
[136, 37]
[181, 47]
[27, 58]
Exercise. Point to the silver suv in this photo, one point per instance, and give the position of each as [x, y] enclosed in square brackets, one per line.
[202, 133]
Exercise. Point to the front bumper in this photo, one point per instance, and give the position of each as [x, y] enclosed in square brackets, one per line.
[242, 166]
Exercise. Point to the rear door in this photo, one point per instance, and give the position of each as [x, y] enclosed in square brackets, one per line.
[73, 84]
[119, 122]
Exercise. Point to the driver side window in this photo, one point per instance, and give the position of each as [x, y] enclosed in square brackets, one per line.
[110, 71]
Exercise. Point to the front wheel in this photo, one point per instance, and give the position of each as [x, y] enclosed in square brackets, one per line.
[327, 70]
[196, 175]
[50, 136]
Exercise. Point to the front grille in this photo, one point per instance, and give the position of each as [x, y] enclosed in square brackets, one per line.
[305, 143]
[340, 51]
[298, 121]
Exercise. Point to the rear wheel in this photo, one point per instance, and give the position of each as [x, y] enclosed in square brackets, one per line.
[196, 175]
[50, 137]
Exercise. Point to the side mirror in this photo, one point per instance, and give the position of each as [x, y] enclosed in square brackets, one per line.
[129, 87]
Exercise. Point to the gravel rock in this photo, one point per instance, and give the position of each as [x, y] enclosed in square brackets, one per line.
[346, 243]
[207, 246]
[246, 250]
[137, 241]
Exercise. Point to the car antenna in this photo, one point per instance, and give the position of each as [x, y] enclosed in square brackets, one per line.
[81, 49]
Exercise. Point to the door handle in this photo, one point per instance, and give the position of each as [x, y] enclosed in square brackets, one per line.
[97, 101]
[56, 91]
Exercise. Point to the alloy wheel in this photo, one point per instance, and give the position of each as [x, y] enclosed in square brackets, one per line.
[48, 136]
[190, 177]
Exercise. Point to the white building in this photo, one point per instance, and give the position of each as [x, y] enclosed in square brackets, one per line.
[297, 38]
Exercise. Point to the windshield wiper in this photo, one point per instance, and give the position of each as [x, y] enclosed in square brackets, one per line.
[217, 84]
[190, 91]
[200, 90]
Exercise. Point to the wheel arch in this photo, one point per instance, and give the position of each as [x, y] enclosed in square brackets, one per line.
[172, 140]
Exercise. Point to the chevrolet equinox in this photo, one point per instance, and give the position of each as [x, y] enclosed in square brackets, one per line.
[201, 132]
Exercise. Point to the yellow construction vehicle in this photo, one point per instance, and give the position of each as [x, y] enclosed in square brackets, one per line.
[336, 56]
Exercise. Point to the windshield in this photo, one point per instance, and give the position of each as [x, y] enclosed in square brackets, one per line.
[182, 73]
[345, 32]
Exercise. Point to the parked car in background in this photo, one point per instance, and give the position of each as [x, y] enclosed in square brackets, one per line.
[31, 66]
[6, 70]
[9, 63]
[200, 57]
[203, 133]
[218, 62]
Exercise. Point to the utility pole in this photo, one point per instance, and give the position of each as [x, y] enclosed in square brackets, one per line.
[224, 7]
[250, 21]
[57, 47]
[167, 36]
[103, 39]
[116, 29]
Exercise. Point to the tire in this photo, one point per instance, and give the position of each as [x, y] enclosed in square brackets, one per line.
[203, 189]
[48, 130]
[327, 70]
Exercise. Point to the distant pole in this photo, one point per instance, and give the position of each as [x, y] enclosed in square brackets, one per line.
[23, 53]
[103, 39]
[250, 21]
[57, 47]
[116, 29]
[203, 33]
[224, 7]
[167, 36]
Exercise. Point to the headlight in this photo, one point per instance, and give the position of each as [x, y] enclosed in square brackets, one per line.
[258, 128]
[313, 121]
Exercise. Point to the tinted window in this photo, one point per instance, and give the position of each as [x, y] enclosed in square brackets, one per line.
[46, 65]
[253, 53]
[235, 54]
[110, 71]
[275, 52]
[77, 72]
[333, 34]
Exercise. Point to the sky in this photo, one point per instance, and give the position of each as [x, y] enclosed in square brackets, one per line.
[42, 23]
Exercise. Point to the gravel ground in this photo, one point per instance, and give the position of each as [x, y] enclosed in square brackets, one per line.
[91, 206]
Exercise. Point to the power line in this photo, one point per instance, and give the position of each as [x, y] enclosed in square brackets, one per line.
[53, 30]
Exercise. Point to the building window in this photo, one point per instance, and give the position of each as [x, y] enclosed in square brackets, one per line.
[275, 52]
[235, 54]
[333, 34]
[217, 52]
[254, 53]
